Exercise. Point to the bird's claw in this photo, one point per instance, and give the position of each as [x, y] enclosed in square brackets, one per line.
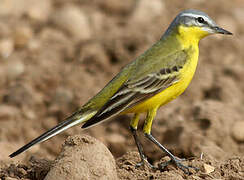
[145, 162]
[177, 161]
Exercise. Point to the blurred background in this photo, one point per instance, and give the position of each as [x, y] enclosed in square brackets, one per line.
[56, 54]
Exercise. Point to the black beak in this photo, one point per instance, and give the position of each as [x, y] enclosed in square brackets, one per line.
[222, 31]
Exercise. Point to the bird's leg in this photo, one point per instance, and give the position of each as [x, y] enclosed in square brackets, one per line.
[174, 159]
[147, 131]
[133, 128]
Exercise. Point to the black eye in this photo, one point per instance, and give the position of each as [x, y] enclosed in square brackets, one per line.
[200, 20]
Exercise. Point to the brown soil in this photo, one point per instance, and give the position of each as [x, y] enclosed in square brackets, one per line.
[56, 54]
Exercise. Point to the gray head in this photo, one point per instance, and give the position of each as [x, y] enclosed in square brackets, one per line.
[195, 18]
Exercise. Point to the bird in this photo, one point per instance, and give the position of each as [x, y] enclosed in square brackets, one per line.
[151, 80]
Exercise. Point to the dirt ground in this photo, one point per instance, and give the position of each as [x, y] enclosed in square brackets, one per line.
[56, 54]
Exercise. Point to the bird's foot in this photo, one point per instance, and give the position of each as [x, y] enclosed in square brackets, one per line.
[144, 162]
[178, 162]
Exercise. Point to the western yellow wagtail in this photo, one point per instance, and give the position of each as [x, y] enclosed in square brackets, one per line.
[153, 79]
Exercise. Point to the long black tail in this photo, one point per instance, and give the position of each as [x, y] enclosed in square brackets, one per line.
[69, 122]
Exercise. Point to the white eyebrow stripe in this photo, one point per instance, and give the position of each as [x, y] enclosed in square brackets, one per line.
[192, 15]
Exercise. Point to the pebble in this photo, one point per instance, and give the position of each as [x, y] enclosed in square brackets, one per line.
[72, 20]
[21, 95]
[238, 131]
[10, 178]
[22, 36]
[208, 168]
[6, 47]
[63, 96]
[39, 11]
[15, 69]
[196, 1]
[118, 7]
[93, 53]
[13, 7]
[146, 11]
[34, 45]
[98, 22]
[5, 29]
[8, 112]
[36, 10]
[29, 113]
[3, 78]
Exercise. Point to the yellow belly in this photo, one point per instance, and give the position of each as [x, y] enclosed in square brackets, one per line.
[173, 91]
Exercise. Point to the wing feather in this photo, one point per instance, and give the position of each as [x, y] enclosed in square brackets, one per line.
[132, 93]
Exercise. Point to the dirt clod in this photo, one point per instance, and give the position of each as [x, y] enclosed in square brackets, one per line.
[83, 157]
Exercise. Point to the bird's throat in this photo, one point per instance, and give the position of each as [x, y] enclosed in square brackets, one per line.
[190, 36]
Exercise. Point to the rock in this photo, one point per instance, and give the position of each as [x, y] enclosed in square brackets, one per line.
[196, 1]
[36, 10]
[3, 78]
[34, 45]
[208, 169]
[98, 22]
[22, 36]
[10, 178]
[146, 11]
[5, 29]
[83, 157]
[20, 94]
[8, 112]
[6, 47]
[63, 96]
[50, 35]
[13, 7]
[29, 113]
[118, 7]
[39, 10]
[93, 54]
[238, 131]
[15, 69]
[74, 21]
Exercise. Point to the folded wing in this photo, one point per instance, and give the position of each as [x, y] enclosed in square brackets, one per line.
[132, 93]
